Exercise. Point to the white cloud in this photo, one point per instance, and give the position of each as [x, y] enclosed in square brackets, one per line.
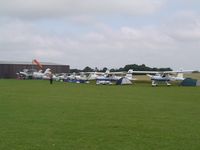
[59, 8]
[149, 45]
[98, 42]
[184, 26]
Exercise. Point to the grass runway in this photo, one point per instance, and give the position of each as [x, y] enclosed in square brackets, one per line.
[35, 115]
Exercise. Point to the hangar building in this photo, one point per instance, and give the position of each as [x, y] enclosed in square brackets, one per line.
[8, 69]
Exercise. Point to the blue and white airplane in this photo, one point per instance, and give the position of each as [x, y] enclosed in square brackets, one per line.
[109, 77]
[165, 76]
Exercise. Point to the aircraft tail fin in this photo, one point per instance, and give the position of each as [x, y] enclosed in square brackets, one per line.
[129, 76]
[47, 71]
[92, 76]
[130, 71]
[107, 71]
[180, 75]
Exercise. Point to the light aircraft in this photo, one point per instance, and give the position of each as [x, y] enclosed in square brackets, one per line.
[113, 76]
[76, 78]
[26, 74]
[46, 75]
[34, 74]
[165, 76]
[42, 75]
[60, 76]
[109, 77]
[95, 75]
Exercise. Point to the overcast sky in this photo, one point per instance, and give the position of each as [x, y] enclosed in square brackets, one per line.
[98, 33]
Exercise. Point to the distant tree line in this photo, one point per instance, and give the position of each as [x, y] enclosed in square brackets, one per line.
[135, 67]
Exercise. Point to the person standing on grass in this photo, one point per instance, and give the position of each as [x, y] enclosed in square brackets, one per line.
[51, 78]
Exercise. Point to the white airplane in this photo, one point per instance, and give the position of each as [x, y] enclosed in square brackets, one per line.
[60, 76]
[165, 76]
[76, 78]
[112, 76]
[26, 74]
[129, 75]
[33, 74]
[95, 75]
[108, 77]
[42, 75]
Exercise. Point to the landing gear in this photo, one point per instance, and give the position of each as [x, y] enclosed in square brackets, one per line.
[154, 83]
[168, 84]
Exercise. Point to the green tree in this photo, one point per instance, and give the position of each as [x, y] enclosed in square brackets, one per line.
[88, 69]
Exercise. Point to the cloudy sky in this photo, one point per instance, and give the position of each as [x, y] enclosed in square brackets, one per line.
[98, 33]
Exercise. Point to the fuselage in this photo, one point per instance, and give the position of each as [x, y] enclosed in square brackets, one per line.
[165, 78]
[160, 78]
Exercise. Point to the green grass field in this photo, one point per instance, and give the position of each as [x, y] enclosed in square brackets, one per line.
[35, 115]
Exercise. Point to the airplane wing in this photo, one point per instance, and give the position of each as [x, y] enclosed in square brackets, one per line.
[97, 73]
[145, 72]
[117, 73]
[162, 72]
[179, 71]
[130, 71]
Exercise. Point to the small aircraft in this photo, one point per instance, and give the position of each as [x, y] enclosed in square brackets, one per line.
[26, 73]
[42, 75]
[165, 76]
[60, 76]
[108, 77]
[34, 74]
[76, 78]
[113, 76]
